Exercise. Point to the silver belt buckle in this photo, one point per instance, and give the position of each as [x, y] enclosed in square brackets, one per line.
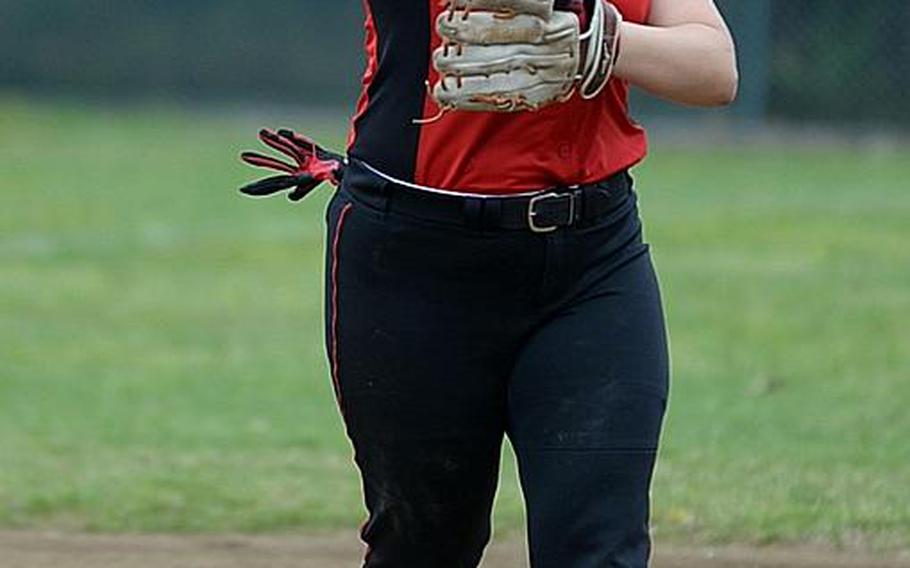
[532, 213]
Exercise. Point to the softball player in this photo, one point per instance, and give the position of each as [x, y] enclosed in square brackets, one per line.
[486, 273]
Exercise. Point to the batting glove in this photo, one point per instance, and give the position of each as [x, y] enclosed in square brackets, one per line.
[312, 165]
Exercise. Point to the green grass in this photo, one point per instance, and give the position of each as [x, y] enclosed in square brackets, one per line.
[161, 364]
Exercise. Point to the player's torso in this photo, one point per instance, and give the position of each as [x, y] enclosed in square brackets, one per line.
[574, 142]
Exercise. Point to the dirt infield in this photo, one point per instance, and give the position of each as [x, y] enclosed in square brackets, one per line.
[51, 550]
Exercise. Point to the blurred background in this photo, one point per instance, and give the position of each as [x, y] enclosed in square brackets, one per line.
[834, 61]
[161, 365]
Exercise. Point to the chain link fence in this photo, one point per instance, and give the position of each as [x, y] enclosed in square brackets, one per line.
[840, 61]
[836, 62]
[830, 61]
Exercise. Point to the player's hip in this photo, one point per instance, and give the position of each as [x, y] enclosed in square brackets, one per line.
[539, 248]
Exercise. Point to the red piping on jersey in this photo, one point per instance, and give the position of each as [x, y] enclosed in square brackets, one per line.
[371, 49]
[336, 241]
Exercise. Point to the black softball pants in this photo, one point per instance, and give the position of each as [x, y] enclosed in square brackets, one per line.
[443, 338]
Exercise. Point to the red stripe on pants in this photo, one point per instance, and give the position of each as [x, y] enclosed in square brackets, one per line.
[335, 260]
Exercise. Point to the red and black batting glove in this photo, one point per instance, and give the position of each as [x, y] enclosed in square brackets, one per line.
[312, 165]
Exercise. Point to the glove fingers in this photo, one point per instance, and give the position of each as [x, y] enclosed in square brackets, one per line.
[303, 144]
[487, 28]
[540, 8]
[276, 142]
[270, 186]
[267, 162]
[502, 93]
[304, 189]
[481, 61]
[309, 146]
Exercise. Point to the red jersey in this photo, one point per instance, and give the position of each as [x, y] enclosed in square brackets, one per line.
[575, 142]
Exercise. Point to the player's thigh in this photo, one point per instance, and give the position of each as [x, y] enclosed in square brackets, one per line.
[597, 374]
[411, 355]
[586, 404]
[419, 382]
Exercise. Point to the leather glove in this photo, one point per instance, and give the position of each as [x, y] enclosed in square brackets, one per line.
[520, 55]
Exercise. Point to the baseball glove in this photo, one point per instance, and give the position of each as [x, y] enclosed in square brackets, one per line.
[521, 55]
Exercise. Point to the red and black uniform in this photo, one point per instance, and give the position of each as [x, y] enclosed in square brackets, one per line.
[576, 142]
[455, 320]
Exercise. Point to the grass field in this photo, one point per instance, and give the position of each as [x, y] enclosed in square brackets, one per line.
[161, 364]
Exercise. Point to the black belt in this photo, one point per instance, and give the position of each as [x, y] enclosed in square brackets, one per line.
[541, 212]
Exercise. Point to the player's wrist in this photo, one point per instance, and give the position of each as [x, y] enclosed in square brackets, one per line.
[600, 45]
